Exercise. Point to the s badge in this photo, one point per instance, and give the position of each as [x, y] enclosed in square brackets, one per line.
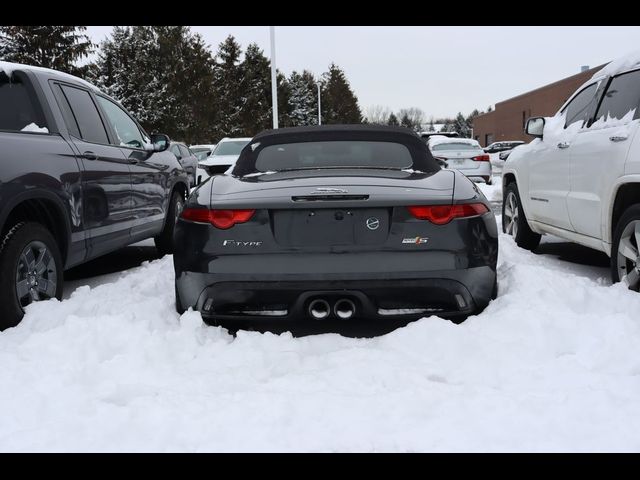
[415, 240]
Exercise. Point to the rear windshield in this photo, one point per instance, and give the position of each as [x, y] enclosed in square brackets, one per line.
[332, 154]
[453, 146]
[230, 148]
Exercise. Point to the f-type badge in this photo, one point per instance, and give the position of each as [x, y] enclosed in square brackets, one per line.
[415, 240]
[372, 223]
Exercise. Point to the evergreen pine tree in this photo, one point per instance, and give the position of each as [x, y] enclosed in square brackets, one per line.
[284, 107]
[393, 120]
[405, 121]
[303, 99]
[255, 87]
[227, 88]
[339, 103]
[461, 126]
[58, 47]
[156, 73]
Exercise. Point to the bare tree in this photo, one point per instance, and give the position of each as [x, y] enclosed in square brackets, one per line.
[414, 117]
[378, 114]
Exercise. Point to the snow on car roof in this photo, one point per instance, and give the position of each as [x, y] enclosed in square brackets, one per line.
[8, 68]
[619, 65]
[440, 139]
[236, 139]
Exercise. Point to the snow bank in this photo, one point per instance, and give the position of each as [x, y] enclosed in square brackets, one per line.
[492, 192]
[32, 127]
[551, 365]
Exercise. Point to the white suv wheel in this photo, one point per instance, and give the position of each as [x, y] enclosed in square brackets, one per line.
[628, 255]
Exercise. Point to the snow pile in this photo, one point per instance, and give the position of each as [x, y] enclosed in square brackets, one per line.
[619, 65]
[551, 365]
[32, 127]
[611, 122]
[492, 192]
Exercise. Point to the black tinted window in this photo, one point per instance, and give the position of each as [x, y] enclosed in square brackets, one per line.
[69, 119]
[293, 156]
[623, 95]
[580, 107]
[17, 109]
[86, 115]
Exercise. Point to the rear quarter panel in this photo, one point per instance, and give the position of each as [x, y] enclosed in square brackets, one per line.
[34, 165]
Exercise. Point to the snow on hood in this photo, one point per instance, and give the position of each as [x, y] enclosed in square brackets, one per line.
[8, 68]
[620, 64]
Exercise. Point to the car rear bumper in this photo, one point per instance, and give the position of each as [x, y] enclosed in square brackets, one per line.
[483, 172]
[452, 275]
[386, 299]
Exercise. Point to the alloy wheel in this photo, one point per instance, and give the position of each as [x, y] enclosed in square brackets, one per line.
[628, 263]
[36, 275]
[511, 214]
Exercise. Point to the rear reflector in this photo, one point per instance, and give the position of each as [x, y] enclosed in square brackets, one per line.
[481, 158]
[222, 219]
[441, 214]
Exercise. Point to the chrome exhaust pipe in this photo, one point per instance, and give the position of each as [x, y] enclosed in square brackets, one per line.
[344, 309]
[319, 309]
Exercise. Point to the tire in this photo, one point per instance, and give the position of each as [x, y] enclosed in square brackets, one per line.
[490, 181]
[164, 241]
[179, 308]
[623, 266]
[28, 244]
[518, 228]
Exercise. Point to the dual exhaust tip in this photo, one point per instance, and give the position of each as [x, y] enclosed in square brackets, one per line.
[320, 309]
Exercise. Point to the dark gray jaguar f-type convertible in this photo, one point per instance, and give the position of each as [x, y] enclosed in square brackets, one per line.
[335, 226]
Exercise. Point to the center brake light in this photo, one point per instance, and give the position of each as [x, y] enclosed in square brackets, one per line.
[443, 214]
[481, 158]
[222, 219]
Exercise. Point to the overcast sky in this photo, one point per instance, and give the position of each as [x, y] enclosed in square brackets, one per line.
[441, 70]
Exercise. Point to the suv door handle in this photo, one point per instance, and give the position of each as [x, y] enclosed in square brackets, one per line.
[563, 145]
[618, 138]
[90, 156]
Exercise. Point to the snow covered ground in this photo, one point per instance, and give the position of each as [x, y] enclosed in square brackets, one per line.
[551, 365]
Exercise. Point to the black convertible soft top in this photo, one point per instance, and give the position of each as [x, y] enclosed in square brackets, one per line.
[422, 159]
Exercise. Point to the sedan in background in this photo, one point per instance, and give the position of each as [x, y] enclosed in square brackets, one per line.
[504, 155]
[187, 159]
[464, 154]
[334, 228]
[497, 147]
[224, 156]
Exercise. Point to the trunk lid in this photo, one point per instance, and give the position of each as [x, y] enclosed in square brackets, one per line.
[313, 210]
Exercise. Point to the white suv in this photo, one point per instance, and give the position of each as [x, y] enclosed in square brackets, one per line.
[580, 178]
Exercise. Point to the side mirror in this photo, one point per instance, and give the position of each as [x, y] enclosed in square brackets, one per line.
[160, 142]
[535, 127]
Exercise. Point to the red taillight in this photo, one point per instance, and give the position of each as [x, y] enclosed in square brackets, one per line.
[222, 219]
[441, 214]
[481, 158]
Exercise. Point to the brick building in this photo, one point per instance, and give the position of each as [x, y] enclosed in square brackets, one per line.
[507, 120]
